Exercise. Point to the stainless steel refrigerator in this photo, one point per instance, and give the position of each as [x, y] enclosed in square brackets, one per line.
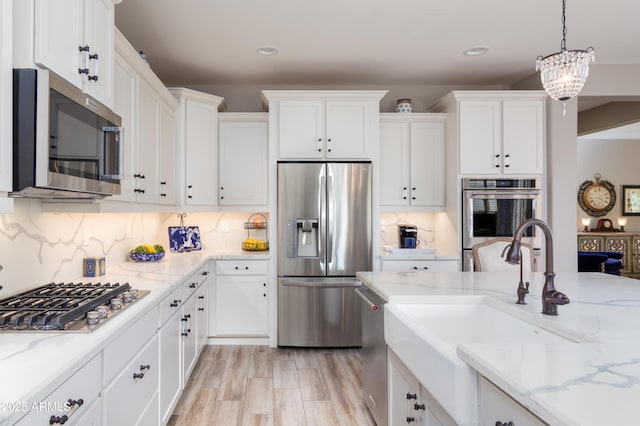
[324, 238]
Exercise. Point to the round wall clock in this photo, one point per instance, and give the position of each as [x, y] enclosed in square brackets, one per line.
[596, 198]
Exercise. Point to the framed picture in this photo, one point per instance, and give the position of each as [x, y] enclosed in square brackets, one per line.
[631, 200]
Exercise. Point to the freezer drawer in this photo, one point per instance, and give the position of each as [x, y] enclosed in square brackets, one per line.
[318, 312]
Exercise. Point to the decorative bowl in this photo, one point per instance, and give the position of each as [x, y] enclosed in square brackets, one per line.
[146, 257]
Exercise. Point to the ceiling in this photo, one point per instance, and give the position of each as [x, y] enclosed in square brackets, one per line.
[360, 42]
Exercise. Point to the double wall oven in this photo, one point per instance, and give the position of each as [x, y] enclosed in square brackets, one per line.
[494, 208]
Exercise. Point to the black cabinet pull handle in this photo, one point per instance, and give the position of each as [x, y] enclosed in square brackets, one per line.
[193, 285]
[145, 367]
[175, 303]
[499, 423]
[200, 297]
[411, 419]
[185, 334]
[201, 309]
[138, 376]
[205, 273]
[412, 396]
[72, 402]
[55, 419]
[417, 406]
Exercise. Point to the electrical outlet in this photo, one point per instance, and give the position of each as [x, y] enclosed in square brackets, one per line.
[224, 226]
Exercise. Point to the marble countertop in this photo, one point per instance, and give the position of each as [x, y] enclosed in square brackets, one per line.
[594, 382]
[32, 364]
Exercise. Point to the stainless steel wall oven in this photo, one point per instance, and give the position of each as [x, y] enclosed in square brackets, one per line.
[494, 208]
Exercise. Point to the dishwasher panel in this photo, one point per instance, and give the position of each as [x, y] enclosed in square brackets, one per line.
[373, 354]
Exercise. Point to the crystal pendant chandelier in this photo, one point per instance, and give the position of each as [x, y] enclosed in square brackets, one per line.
[563, 73]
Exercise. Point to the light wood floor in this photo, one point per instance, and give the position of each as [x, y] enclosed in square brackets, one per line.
[259, 385]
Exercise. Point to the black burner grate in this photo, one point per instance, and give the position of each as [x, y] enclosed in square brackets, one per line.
[54, 306]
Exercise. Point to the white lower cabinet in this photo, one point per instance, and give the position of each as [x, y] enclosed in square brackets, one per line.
[409, 401]
[202, 314]
[130, 394]
[189, 338]
[496, 407]
[79, 392]
[420, 265]
[92, 416]
[170, 353]
[241, 298]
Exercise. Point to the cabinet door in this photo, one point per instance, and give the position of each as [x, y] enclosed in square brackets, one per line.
[147, 146]
[167, 156]
[479, 137]
[404, 391]
[202, 315]
[189, 338]
[301, 129]
[126, 398]
[201, 153]
[427, 164]
[241, 305]
[496, 407]
[523, 136]
[620, 244]
[242, 164]
[347, 129]
[394, 164]
[59, 26]
[635, 255]
[126, 83]
[6, 98]
[99, 35]
[170, 369]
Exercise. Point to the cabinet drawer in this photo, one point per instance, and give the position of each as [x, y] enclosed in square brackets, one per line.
[84, 384]
[242, 267]
[190, 285]
[497, 406]
[136, 386]
[419, 265]
[170, 305]
[127, 343]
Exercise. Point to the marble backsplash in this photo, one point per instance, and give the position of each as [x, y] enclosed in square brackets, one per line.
[40, 247]
[434, 230]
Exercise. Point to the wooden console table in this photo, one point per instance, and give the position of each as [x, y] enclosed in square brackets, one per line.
[624, 242]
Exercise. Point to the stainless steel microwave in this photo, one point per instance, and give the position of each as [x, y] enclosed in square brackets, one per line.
[65, 143]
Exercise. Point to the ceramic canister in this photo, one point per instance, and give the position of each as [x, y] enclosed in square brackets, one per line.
[404, 105]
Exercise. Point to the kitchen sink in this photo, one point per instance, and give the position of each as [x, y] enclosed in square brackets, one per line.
[425, 334]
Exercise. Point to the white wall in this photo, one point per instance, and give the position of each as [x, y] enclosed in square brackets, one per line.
[617, 162]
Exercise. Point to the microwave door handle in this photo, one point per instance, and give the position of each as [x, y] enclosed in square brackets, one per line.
[118, 132]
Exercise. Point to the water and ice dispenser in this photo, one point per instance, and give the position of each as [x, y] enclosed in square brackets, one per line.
[302, 237]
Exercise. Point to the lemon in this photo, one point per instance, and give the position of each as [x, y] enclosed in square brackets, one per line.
[150, 248]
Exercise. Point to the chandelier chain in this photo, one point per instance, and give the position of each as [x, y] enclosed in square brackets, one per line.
[563, 44]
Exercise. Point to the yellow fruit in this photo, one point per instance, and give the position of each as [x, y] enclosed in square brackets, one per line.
[150, 248]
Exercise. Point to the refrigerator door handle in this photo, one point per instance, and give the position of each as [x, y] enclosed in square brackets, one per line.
[332, 218]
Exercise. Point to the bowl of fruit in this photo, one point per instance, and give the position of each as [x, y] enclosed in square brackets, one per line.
[147, 253]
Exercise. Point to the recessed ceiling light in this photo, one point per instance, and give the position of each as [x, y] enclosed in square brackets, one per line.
[267, 50]
[475, 51]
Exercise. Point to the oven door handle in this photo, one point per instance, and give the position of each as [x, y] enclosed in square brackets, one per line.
[529, 195]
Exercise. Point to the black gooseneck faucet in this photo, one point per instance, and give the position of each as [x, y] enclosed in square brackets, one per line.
[551, 298]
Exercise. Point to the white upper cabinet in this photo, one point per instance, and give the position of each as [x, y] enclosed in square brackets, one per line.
[412, 159]
[197, 130]
[6, 97]
[242, 159]
[324, 124]
[148, 112]
[75, 39]
[499, 132]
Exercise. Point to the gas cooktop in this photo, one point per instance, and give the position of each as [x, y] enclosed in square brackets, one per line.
[79, 307]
